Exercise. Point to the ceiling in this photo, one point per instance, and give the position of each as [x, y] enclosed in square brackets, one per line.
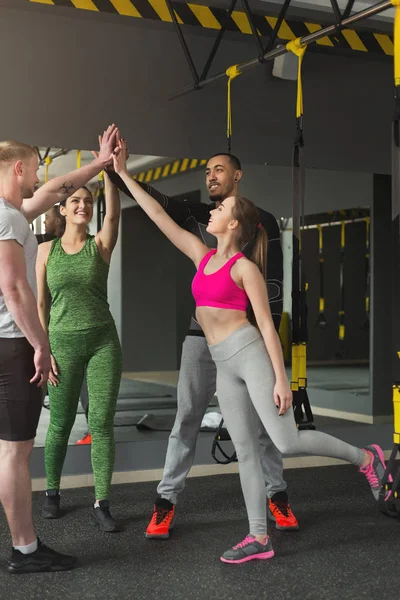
[73, 72]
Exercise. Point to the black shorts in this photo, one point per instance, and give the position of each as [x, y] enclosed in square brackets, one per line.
[20, 401]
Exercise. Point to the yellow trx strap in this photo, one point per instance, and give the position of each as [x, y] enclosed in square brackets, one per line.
[298, 49]
[231, 73]
[78, 159]
[47, 163]
[396, 3]
[396, 406]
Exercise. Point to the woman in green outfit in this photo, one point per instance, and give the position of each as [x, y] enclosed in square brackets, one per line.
[72, 274]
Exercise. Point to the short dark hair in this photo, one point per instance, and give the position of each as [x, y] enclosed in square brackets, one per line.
[235, 162]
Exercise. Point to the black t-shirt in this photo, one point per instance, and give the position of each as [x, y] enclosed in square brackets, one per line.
[195, 217]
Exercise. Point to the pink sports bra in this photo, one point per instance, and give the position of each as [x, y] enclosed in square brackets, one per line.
[218, 289]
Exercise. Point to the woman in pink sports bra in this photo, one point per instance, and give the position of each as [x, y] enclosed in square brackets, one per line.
[233, 310]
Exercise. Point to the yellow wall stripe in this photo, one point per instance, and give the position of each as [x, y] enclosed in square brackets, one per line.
[175, 167]
[161, 8]
[204, 16]
[325, 41]
[214, 18]
[126, 8]
[385, 43]
[157, 173]
[149, 175]
[285, 33]
[241, 21]
[85, 4]
[354, 40]
[184, 164]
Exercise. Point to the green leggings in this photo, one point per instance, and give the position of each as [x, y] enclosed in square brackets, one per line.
[99, 350]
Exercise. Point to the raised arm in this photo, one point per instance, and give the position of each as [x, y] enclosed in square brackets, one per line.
[58, 189]
[255, 288]
[108, 235]
[186, 242]
[180, 212]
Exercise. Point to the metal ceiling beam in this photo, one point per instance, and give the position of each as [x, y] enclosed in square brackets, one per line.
[306, 40]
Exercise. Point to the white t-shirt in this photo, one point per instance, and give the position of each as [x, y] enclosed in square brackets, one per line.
[14, 226]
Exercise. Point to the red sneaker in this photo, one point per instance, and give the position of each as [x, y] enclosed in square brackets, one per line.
[162, 520]
[282, 514]
[87, 439]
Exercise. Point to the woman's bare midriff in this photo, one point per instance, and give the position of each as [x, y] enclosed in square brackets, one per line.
[219, 323]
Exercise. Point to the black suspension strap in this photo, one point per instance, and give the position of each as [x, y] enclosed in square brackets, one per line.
[321, 316]
[367, 269]
[222, 435]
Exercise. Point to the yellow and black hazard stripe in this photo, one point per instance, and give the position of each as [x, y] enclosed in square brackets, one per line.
[210, 17]
[177, 167]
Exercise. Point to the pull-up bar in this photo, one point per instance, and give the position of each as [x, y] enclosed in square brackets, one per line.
[308, 39]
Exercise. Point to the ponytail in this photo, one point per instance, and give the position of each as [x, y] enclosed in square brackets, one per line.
[259, 253]
[259, 257]
[61, 221]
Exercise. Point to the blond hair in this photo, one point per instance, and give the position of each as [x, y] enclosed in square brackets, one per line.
[10, 150]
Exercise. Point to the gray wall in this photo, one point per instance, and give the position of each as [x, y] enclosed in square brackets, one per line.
[156, 298]
[148, 296]
[381, 297]
[271, 188]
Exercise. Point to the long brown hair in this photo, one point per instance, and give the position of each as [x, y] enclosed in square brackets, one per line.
[252, 235]
[253, 238]
[58, 223]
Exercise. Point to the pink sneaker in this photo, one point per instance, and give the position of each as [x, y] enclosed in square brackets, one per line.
[248, 549]
[375, 471]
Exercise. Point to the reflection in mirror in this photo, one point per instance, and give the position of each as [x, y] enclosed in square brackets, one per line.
[149, 290]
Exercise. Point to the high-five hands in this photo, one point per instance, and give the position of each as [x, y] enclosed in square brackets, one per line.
[120, 156]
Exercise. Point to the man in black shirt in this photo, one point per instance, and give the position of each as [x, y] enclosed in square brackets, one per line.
[197, 375]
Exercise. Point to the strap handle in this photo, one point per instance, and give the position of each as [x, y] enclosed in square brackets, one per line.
[232, 72]
[48, 162]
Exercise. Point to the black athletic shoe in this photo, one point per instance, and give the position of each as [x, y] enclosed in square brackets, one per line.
[103, 519]
[51, 505]
[43, 560]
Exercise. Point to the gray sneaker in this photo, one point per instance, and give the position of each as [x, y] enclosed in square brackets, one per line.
[248, 549]
[375, 471]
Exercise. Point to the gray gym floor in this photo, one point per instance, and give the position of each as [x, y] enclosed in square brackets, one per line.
[345, 549]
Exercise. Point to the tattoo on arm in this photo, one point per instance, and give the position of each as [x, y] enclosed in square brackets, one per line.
[67, 188]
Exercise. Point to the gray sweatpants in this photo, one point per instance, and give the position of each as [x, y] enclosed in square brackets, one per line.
[196, 387]
[246, 380]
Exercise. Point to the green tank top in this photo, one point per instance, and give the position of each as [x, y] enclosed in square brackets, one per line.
[78, 287]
